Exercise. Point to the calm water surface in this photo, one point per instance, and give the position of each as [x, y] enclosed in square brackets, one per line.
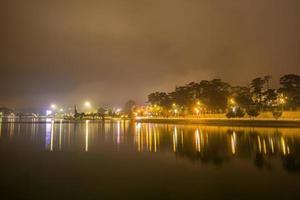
[124, 160]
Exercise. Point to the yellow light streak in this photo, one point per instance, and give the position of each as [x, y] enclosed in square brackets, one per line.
[197, 140]
[86, 135]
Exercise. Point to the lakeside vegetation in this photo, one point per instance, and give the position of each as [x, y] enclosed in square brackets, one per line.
[207, 98]
[216, 96]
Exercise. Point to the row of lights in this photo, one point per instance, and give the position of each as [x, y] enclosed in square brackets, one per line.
[86, 104]
[198, 106]
[54, 107]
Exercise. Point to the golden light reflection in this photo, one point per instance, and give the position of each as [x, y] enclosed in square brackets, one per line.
[233, 143]
[150, 139]
[118, 132]
[147, 138]
[272, 145]
[0, 126]
[142, 141]
[184, 140]
[259, 144]
[138, 135]
[197, 140]
[60, 133]
[87, 135]
[51, 136]
[283, 145]
[264, 146]
[288, 149]
[181, 138]
[155, 143]
[175, 139]
[69, 134]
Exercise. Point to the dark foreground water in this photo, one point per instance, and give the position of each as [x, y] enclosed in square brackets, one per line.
[123, 160]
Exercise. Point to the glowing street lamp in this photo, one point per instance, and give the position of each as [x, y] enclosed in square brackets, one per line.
[232, 101]
[53, 106]
[233, 104]
[87, 104]
[197, 111]
[118, 110]
[282, 101]
[48, 112]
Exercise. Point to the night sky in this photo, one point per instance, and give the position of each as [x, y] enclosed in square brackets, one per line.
[111, 51]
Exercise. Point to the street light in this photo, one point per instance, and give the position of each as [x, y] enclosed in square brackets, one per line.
[282, 101]
[87, 104]
[232, 101]
[53, 106]
[197, 111]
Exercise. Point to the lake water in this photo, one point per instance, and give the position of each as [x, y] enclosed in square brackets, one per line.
[126, 160]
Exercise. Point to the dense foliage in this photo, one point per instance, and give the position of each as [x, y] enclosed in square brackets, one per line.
[217, 96]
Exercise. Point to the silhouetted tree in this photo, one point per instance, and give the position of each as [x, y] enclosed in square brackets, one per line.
[101, 112]
[160, 98]
[242, 96]
[128, 107]
[269, 98]
[253, 112]
[257, 86]
[290, 87]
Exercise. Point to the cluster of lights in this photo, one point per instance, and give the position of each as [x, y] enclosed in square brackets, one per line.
[198, 107]
[54, 109]
[282, 99]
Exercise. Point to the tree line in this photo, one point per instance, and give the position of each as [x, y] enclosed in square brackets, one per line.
[217, 96]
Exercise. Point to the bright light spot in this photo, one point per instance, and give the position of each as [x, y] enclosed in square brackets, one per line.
[232, 101]
[197, 140]
[48, 112]
[118, 110]
[87, 104]
[138, 125]
[86, 135]
[53, 106]
[234, 109]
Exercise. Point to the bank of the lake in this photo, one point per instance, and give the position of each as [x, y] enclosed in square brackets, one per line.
[225, 122]
[243, 122]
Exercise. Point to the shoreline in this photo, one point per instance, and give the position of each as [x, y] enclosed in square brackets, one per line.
[280, 123]
[226, 122]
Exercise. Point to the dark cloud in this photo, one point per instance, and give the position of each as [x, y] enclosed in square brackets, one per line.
[111, 51]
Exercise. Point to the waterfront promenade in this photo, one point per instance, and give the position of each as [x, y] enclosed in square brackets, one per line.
[224, 121]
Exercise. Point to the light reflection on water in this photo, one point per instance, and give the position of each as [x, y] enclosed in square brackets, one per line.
[159, 161]
[197, 144]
